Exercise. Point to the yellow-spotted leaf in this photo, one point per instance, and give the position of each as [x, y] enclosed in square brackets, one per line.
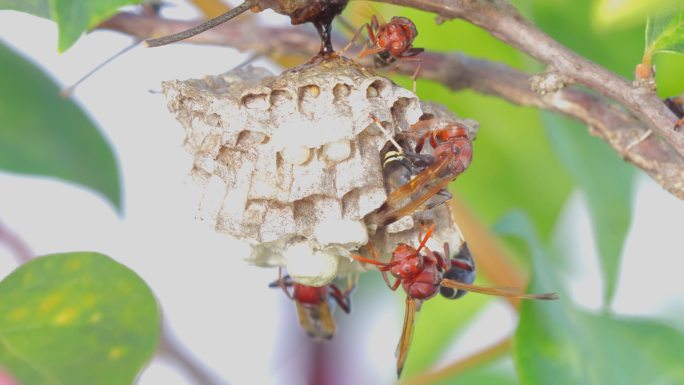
[76, 319]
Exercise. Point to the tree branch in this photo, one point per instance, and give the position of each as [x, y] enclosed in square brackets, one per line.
[504, 22]
[619, 129]
[172, 350]
[655, 155]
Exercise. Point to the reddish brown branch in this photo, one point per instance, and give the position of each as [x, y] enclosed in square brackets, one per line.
[655, 155]
[605, 119]
[15, 244]
[172, 350]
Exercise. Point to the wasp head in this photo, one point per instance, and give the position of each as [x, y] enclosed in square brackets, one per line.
[406, 262]
[397, 36]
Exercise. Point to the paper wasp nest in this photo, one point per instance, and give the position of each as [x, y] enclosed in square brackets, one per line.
[291, 163]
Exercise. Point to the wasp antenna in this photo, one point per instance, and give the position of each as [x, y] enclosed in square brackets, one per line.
[386, 133]
[346, 24]
[425, 239]
[368, 260]
[497, 291]
[209, 24]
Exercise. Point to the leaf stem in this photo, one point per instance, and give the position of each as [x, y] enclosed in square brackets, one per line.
[196, 30]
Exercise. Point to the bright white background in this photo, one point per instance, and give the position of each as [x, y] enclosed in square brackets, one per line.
[216, 304]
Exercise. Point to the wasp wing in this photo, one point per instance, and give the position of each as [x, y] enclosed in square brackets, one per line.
[424, 178]
[387, 215]
[326, 321]
[305, 320]
[497, 291]
[406, 334]
[316, 321]
[415, 193]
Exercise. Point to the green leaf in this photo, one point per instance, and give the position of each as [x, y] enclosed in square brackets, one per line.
[73, 17]
[42, 133]
[608, 184]
[76, 16]
[628, 13]
[561, 344]
[76, 319]
[568, 21]
[39, 8]
[665, 33]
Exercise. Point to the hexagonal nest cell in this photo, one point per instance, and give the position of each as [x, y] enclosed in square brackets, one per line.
[292, 164]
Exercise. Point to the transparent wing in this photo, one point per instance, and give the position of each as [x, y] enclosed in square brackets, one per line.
[497, 291]
[424, 178]
[415, 193]
[305, 320]
[327, 323]
[406, 334]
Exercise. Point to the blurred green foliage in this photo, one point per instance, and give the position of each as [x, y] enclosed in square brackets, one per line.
[42, 133]
[607, 184]
[562, 344]
[525, 160]
[665, 33]
[530, 161]
[73, 17]
[77, 319]
[617, 14]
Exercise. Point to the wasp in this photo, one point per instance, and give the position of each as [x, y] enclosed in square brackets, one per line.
[400, 166]
[676, 105]
[451, 139]
[452, 154]
[422, 275]
[391, 43]
[399, 162]
[314, 304]
[319, 12]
